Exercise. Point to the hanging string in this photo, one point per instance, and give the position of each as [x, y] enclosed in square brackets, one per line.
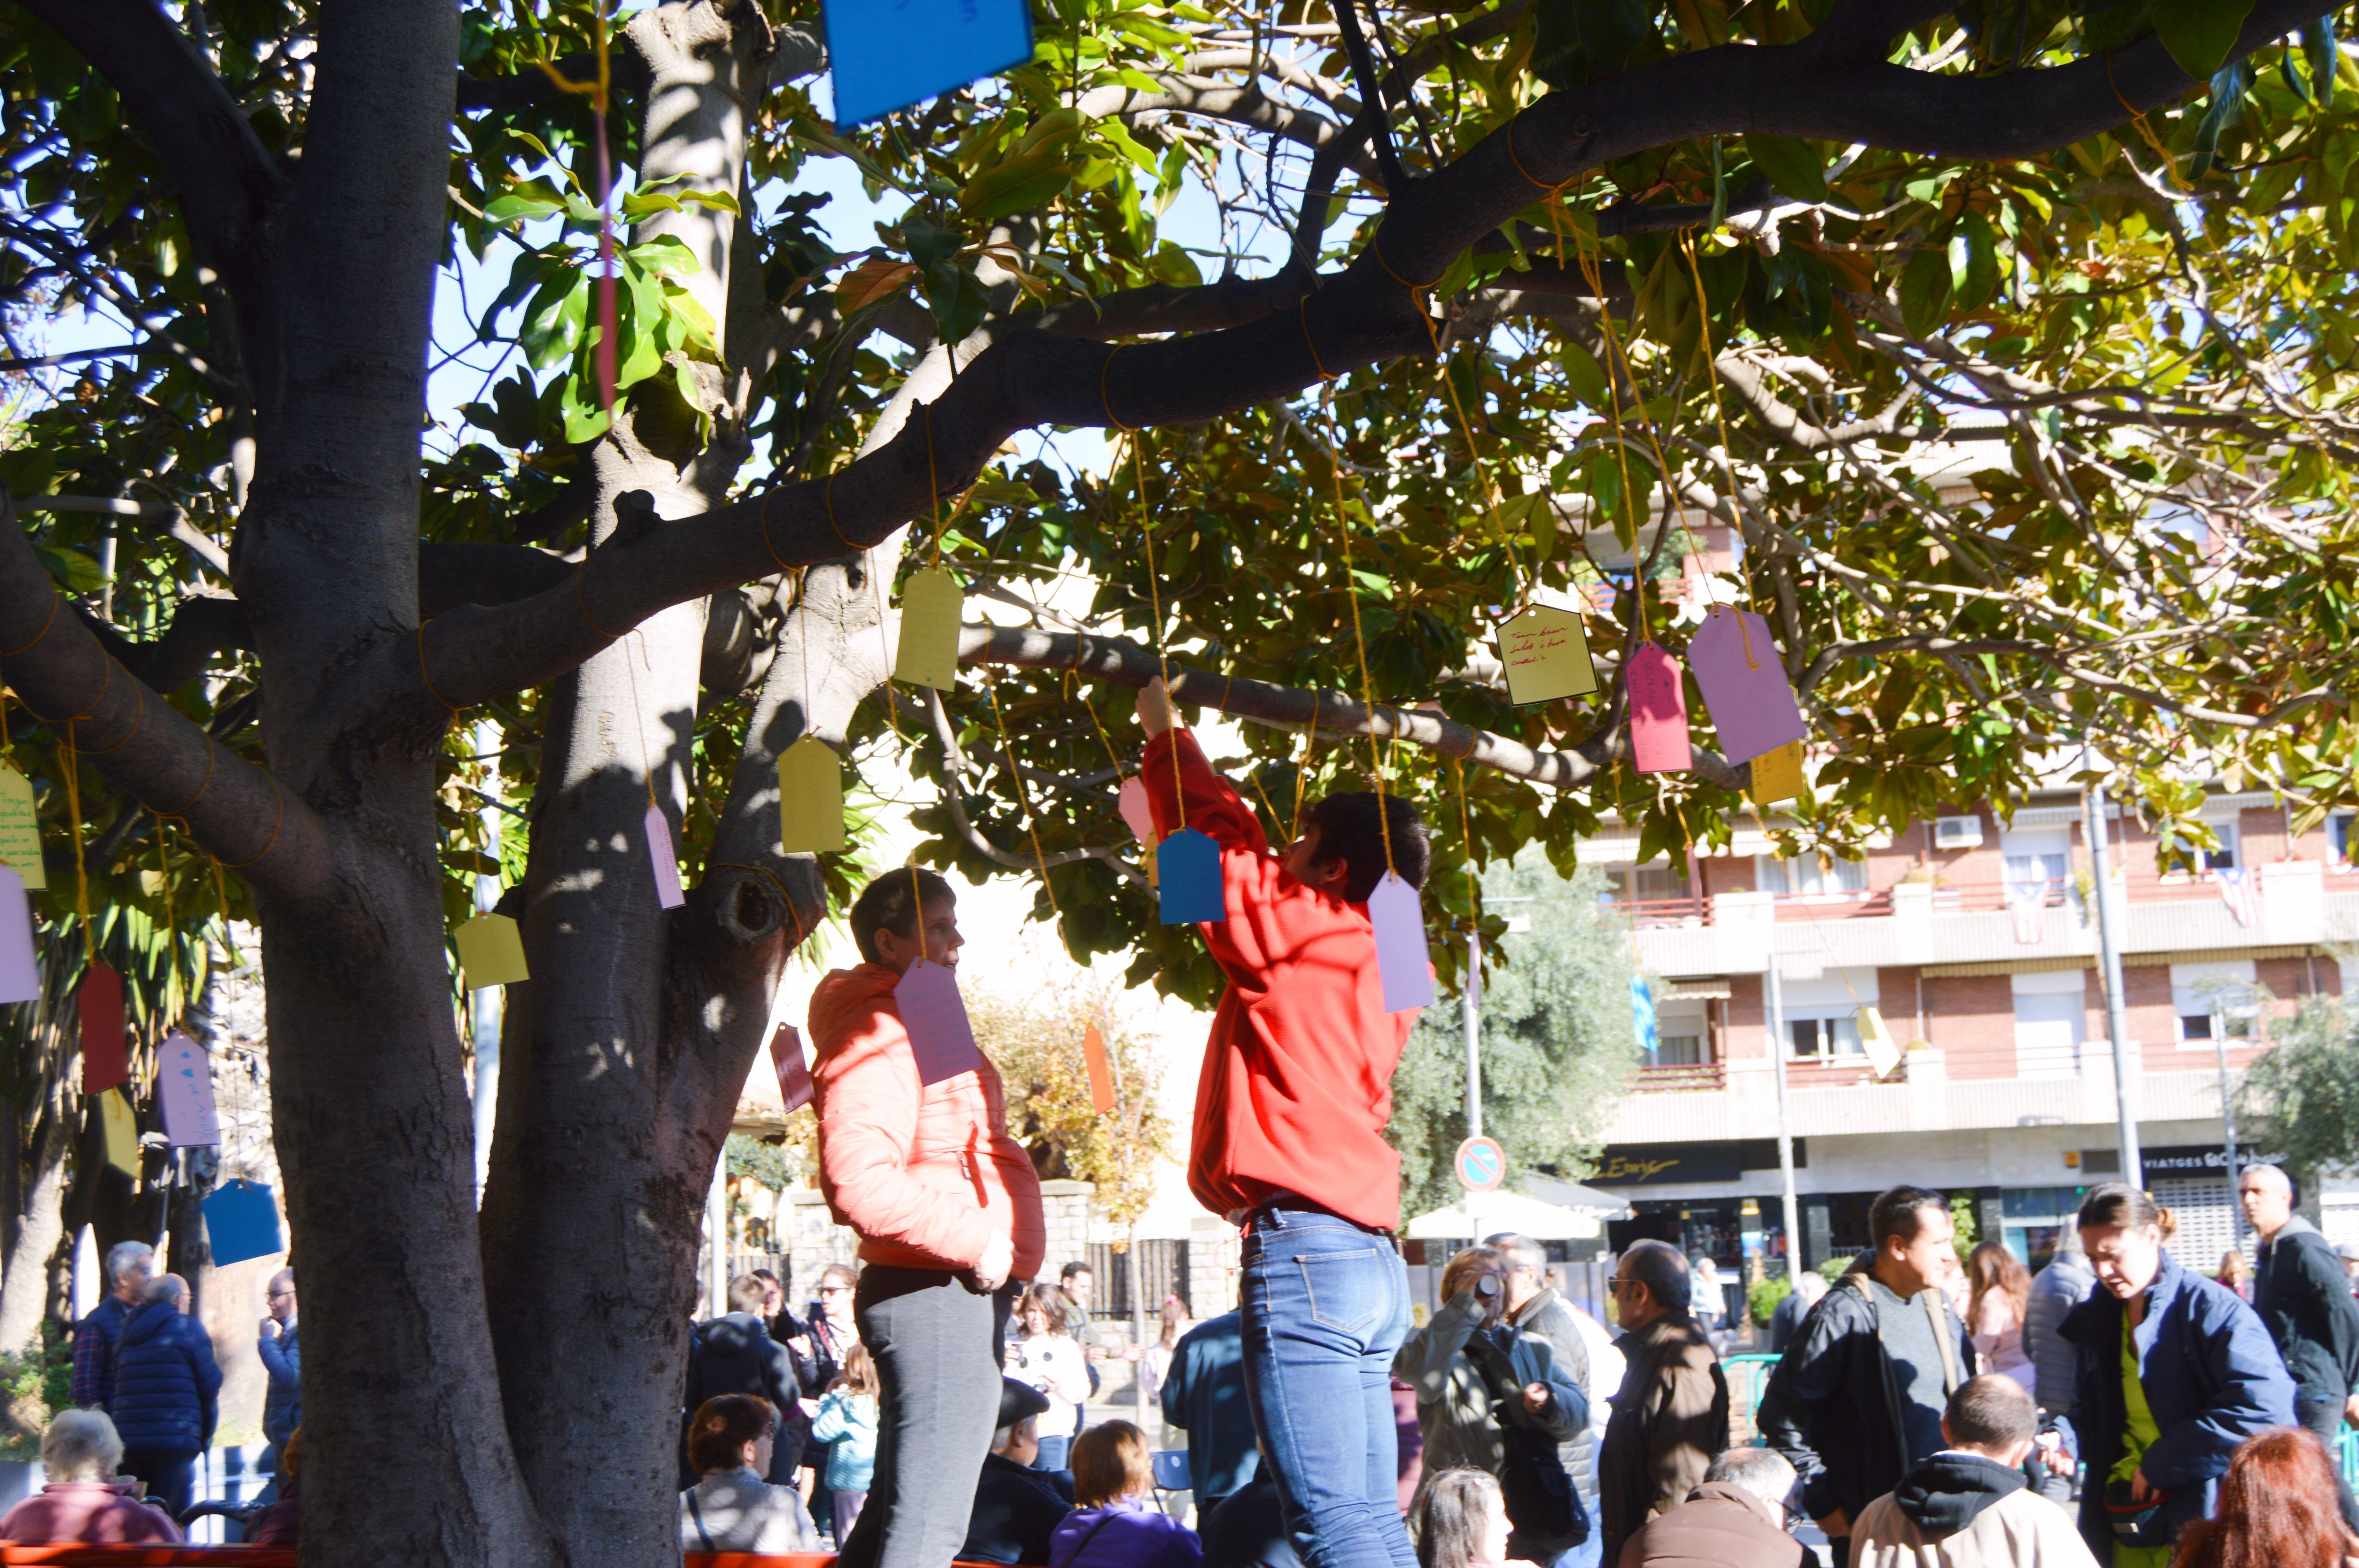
[1155, 603]
[1712, 384]
[638, 728]
[1031, 823]
[1360, 646]
[73, 825]
[171, 929]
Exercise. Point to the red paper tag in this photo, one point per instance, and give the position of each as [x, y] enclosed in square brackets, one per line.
[105, 1061]
[1658, 712]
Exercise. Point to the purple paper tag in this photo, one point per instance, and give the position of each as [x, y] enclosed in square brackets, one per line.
[794, 1074]
[1402, 962]
[665, 859]
[1658, 712]
[184, 1089]
[1736, 668]
[20, 973]
[934, 1016]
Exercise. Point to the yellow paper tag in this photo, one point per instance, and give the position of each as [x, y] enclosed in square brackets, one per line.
[930, 604]
[1546, 655]
[491, 951]
[20, 831]
[1876, 1040]
[810, 799]
[1777, 775]
[121, 1128]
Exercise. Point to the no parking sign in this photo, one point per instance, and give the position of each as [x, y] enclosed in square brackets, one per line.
[1480, 1164]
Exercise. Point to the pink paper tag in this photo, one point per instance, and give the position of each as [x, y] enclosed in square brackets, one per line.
[794, 1075]
[21, 974]
[1402, 962]
[1736, 668]
[935, 1017]
[1131, 804]
[1658, 712]
[184, 1089]
[665, 858]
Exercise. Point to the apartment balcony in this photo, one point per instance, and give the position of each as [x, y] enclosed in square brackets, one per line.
[1924, 1099]
[1944, 922]
[1693, 1078]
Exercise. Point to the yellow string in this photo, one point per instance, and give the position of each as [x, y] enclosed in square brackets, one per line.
[1155, 601]
[73, 825]
[1711, 386]
[1483, 479]
[171, 932]
[1360, 648]
[1031, 823]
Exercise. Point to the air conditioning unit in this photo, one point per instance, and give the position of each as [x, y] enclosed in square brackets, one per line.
[1957, 832]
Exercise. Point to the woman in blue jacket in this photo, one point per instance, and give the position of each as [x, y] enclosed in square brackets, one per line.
[2175, 1372]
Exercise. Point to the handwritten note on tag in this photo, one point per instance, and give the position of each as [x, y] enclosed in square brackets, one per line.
[1187, 879]
[21, 830]
[1546, 656]
[930, 605]
[491, 951]
[1876, 1040]
[1658, 712]
[1093, 1055]
[810, 799]
[1777, 773]
[884, 57]
[935, 1017]
[243, 1223]
[184, 1092]
[1131, 804]
[99, 1000]
[1736, 668]
[663, 860]
[1402, 962]
[20, 973]
[794, 1073]
[119, 1132]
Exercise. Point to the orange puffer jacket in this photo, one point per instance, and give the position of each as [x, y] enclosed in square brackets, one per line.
[925, 1173]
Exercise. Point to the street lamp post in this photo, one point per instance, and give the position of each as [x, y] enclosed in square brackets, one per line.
[2109, 958]
[1778, 1044]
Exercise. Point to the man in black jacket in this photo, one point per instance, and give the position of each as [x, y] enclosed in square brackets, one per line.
[2299, 1290]
[1016, 1507]
[735, 1355]
[1857, 1397]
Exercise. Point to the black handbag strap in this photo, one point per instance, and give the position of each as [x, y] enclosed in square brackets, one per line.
[697, 1514]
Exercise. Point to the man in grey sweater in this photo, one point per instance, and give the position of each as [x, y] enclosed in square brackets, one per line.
[1534, 1308]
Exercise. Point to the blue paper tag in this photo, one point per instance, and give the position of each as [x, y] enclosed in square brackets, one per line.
[884, 55]
[1187, 879]
[243, 1223]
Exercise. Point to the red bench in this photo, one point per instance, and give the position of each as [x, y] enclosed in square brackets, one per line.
[77, 1556]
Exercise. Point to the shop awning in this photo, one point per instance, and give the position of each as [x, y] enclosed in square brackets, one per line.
[1540, 1220]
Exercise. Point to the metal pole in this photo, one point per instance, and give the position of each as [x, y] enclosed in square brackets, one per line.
[1138, 1331]
[1472, 1012]
[486, 1005]
[1793, 1203]
[716, 1226]
[2109, 958]
[2227, 1113]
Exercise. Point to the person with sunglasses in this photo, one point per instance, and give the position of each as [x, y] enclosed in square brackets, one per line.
[1670, 1414]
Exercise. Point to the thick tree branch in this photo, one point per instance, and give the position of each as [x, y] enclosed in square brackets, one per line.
[1820, 88]
[1297, 709]
[236, 812]
[224, 176]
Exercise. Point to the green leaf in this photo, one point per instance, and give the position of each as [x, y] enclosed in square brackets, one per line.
[2318, 47]
[1791, 164]
[525, 204]
[2200, 33]
[584, 420]
[1585, 376]
[553, 325]
[1578, 41]
[1977, 279]
[1925, 290]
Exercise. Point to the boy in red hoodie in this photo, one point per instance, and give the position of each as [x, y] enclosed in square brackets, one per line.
[947, 1207]
[1290, 1113]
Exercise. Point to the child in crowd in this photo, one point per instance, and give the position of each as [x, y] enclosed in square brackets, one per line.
[1115, 1523]
[847, 1424]
[1047, 1358]
[1461, 1519]
[1289, 1134]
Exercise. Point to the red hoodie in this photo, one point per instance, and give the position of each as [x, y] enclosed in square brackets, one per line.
[926, 1174]
[1297, 1085]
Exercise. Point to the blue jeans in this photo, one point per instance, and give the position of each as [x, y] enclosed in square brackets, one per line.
[1326, 1306]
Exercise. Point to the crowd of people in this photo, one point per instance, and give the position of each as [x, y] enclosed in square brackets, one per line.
[2116, 1409]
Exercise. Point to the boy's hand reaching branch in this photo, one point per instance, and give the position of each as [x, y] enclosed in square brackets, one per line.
[1155, 707]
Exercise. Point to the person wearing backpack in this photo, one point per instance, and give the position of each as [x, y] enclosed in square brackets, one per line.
[1856, 1401]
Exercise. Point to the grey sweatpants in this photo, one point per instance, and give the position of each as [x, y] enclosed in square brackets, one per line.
[936, 1344]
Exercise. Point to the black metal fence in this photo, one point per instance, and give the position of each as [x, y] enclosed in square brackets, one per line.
[1162, 1271]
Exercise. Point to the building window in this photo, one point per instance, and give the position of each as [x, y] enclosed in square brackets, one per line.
[2039, 865]
[1825, 1036]
[2222, 859]
[2198, 990]
[1822, 1015]
[1678, 1051]
[2338, 839]
[1807, 876]
[1643, 884]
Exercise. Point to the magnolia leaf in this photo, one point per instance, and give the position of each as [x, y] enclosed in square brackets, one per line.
[1791, 164]
[2200, 33]
[874, 279]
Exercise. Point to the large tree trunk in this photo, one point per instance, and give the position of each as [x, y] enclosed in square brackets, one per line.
[39, 1229]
